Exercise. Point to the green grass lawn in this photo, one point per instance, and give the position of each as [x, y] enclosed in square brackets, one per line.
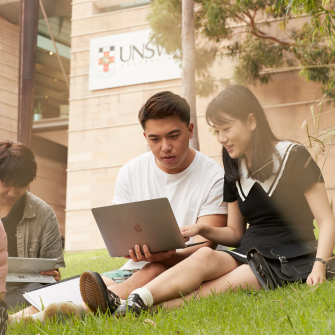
[297, 309]
[98, 261]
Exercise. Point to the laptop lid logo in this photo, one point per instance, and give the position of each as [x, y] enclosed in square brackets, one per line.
[138, 228]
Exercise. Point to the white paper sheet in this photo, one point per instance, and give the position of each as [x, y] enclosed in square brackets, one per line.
[63, 291]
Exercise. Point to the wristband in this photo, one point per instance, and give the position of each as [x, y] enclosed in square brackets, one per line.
[323, 262]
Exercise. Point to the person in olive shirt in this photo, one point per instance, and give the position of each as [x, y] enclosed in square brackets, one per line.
[30, 224]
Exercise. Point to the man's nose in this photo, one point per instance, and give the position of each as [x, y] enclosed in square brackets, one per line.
[166, 146]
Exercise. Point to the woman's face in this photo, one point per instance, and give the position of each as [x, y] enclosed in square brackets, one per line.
[235, 135]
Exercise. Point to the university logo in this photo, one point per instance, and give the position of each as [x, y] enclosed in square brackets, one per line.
[106, 61]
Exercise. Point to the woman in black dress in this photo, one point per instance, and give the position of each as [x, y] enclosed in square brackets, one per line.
[274, 186]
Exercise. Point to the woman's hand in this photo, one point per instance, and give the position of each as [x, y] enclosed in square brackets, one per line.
[190, 231]
[318, 275]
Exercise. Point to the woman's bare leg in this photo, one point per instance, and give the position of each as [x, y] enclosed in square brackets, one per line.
[204, 265]
[241, 277]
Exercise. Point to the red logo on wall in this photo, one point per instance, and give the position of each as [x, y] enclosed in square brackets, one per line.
[106, 61]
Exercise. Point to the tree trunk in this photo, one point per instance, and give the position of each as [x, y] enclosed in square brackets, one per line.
[27, 66]
[188, 65]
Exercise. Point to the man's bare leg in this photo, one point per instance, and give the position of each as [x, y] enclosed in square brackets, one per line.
[138, 279]
[108, 281]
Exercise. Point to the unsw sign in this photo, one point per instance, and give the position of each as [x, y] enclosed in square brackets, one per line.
[129, 59]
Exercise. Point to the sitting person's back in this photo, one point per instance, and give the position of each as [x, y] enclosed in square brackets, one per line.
[30, 224]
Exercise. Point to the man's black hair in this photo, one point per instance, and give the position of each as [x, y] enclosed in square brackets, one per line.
[162, 105]
[17, 164]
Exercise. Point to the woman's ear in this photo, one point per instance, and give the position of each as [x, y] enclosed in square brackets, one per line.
[252, 122]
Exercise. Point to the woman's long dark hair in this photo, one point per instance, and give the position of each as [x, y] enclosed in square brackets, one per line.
[238, 102]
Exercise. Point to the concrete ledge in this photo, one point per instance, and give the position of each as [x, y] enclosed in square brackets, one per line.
[59, 123]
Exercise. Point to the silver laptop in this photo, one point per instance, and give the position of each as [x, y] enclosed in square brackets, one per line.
[150, 223]
[27, 270]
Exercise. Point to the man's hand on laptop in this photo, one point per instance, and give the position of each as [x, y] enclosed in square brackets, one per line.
[55, 273]
[137, 256]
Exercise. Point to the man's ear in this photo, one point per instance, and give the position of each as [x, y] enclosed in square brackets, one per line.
[252, 122]
[145, 135]
[191, 129]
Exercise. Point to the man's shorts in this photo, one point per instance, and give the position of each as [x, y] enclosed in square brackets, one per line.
[119, 276]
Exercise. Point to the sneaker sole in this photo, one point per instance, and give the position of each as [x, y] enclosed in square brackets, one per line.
[92, 292]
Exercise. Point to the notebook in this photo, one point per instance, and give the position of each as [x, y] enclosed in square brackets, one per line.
[64, 290]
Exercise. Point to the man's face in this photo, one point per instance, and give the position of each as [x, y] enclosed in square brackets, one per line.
[9, 194]
[168, 139]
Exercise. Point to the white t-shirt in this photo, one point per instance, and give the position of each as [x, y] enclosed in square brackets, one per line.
[197, 191]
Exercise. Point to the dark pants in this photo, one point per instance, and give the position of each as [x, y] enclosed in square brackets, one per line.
[15, 291]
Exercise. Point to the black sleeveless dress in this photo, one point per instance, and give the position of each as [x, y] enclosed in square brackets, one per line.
[277, 211]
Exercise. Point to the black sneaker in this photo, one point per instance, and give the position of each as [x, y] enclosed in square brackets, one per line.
[96, 295]
[3, 317]
[134, 305]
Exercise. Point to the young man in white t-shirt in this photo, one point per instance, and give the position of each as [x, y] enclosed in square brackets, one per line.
[191, 181]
